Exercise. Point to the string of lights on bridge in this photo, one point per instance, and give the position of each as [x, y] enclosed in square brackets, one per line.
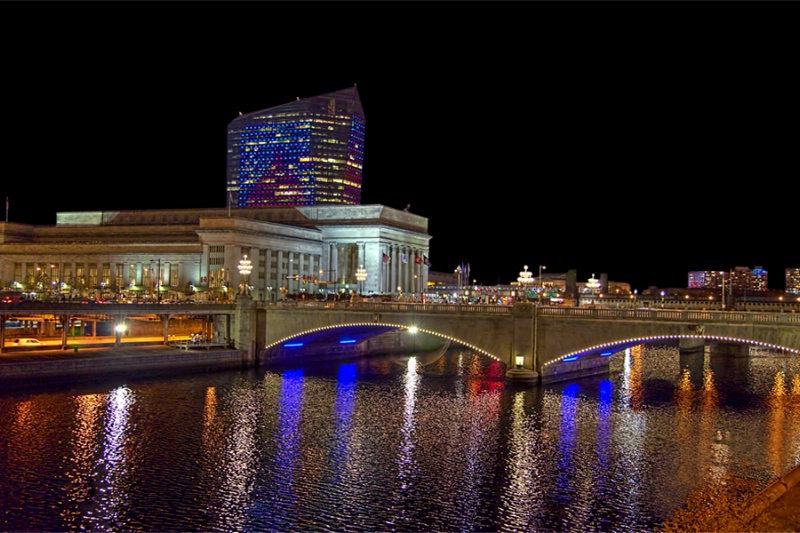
[572, 356]
[411, 329]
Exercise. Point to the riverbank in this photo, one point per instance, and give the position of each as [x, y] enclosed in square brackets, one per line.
[738, 506]
[88, 361]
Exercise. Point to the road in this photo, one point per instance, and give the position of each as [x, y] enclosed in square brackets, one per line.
[55, 343]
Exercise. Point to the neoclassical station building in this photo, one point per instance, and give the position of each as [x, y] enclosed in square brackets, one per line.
[300, 250]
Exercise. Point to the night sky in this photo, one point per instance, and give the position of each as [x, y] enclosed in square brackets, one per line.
[523, 138]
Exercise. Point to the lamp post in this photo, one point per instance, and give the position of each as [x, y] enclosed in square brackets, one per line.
[541, 284]
[158, 279]
[525, 280]
[245, 267]
[361, 276]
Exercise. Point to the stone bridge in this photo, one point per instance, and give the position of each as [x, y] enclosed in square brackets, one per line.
[546, 340]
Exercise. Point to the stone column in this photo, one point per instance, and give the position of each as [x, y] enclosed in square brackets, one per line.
[280, 275]
[396, 270]
[269, 280]
[204, 257]
[255, 279]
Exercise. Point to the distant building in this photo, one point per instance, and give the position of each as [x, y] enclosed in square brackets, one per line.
[793, 280]
[306, 152]
[740, 280]
[697, 279]
[293, 251]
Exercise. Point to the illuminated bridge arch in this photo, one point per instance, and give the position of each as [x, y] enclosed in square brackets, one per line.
[609, 348]
[352, 335]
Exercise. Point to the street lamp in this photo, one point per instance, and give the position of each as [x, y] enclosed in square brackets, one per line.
[361, 276]
[245, 267]
[541, 284]
[119, 330]
[525, 280]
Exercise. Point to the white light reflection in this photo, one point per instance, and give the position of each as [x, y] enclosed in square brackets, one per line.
[630, 432]
[84, 449]
[239, 461]
[461, 384]
[406, 466]
[117, 427]
[522, 500]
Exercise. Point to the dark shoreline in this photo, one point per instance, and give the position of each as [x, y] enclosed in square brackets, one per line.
[89, 364]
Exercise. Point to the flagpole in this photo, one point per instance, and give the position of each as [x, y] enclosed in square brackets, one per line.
[6, 208]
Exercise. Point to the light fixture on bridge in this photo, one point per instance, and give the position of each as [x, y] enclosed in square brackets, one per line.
[245, 267]
[525, 280]
[361, 276]
[541, 283]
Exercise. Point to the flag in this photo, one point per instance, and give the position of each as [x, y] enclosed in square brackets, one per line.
[458, 269]
[425, 260]
[405, 258]
[417, 259]
[386, 258]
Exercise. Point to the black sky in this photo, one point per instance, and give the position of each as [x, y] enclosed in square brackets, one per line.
[635, 149]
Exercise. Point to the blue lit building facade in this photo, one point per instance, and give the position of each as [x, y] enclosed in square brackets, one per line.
[306, 152]
[740, 280]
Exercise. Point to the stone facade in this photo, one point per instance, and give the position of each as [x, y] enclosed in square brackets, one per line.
[296, 252]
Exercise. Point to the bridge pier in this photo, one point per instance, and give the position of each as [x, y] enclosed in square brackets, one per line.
[244, 332]
[522, 365]
[581, 368]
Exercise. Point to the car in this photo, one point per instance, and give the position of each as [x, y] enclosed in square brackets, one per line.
[28, 342]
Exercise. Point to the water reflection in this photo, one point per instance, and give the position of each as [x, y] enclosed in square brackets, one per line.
[392, 444]
[84, 449]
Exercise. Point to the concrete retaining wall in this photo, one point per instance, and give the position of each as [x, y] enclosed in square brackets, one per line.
[200, 359]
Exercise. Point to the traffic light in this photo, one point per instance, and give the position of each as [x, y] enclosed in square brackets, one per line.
[304, 279]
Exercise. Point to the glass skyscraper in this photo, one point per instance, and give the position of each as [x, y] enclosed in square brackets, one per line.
[306, 152]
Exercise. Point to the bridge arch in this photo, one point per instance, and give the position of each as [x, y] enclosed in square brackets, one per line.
[604, 348]
[592, 359]
[540, 337]
[357, 332]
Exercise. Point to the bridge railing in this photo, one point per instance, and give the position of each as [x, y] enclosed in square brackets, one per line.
[672, 314]
[555, 311]
[396, 306]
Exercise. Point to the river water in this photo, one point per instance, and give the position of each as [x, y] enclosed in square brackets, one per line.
[394, 444]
